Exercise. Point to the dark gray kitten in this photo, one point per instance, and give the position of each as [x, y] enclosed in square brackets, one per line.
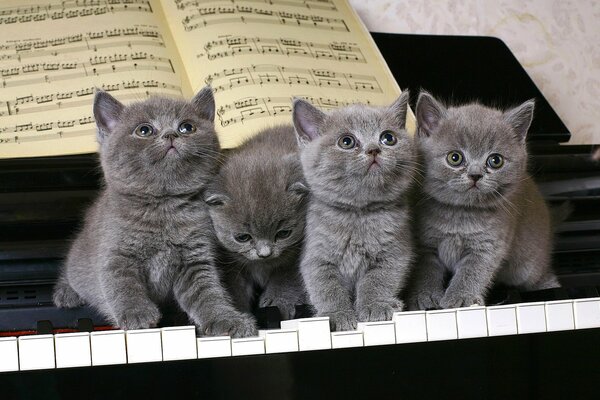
[258, 208]
[147, 239]
[359, 163]
[482, 217]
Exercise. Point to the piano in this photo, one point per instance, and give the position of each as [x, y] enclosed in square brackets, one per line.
[541, 344]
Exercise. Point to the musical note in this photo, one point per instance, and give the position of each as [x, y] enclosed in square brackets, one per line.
[267, 74]
[221, 15]
[310, 4]
[249, 108]
[70, 9]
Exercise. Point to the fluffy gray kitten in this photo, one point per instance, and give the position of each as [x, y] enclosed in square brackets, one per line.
[148, 239]
[359, 163]
[258, 207]
[482, 217]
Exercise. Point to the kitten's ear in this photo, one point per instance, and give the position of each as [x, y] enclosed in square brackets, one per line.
[307, 121]
[429, 114]
[519, 118]
[215, 198]
[204, 102]
[398, 109]
[107, 111]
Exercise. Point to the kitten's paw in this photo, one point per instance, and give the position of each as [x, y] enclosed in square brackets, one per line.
[341, 320]
[429, 301]
[456, 300]
[286, 309]
[236, 325]
[65, 297]
[139, 317]
[379, 311]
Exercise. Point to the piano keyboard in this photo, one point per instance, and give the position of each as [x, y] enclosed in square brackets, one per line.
[83, 349]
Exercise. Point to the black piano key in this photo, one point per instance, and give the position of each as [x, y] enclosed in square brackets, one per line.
[500, 296]
[268, 317]
[45, 327]
[85, 325]
[582, 292]
[545, 295]
[304, 311]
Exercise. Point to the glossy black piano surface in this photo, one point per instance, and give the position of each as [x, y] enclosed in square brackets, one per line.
[42, 200]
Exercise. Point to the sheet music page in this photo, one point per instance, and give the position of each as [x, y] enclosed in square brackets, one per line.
[259, 54]
[53, 54]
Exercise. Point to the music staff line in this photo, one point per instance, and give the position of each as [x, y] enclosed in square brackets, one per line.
[239, 45]
[37, 138]
[47, 102]
[93, 41]
[316, 5]
[42, 13]
[223, 15]
[250, 108]
[274, 74]
[91, 68]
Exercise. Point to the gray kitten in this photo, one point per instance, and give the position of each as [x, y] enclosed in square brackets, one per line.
[258, 207]
[359, 163]
[147, 238]
[482, 217]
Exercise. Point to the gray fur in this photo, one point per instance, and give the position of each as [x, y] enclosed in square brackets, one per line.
[496, 228]
[358, 245]
[148, 239]
[260, 191]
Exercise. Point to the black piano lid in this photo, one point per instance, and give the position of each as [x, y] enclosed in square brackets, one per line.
[460, 69]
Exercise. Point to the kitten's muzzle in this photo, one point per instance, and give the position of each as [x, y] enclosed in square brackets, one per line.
[264, 251]
[170, 135]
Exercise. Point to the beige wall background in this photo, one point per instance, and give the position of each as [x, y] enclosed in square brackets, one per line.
[557, 41]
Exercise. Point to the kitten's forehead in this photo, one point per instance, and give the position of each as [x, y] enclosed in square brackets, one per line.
[357, 118]
[477, 129]
[160, 110]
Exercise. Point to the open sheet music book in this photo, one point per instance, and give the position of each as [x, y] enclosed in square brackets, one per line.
[256, 54]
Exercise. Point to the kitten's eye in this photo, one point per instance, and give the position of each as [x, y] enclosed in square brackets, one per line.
[283, 234]
[454, 158]
[495, 161]
[347, 142]
[242, 237]
[144, 130]
[186, 128]
[388, 138]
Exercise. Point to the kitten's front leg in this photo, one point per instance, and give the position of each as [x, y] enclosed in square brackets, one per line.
[199, 292]
[427, 286]
[472, 278]
[377, 291]
[127, 295]
[284, 290]
[326, 291]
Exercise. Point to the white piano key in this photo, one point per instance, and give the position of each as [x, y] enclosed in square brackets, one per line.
[345, 339]
[178, 343]
[531, 317]
[108, 347]
[73, 350]
[587, 313]
[143, 345]
[502, 320]
[441, 325]
[216, 346]
[36, 352]
[280, 340]
[378, 333]
[9, 354]
[559, 315]
[410, 326]
[247, 346]
[313, 333]
[471, 322]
